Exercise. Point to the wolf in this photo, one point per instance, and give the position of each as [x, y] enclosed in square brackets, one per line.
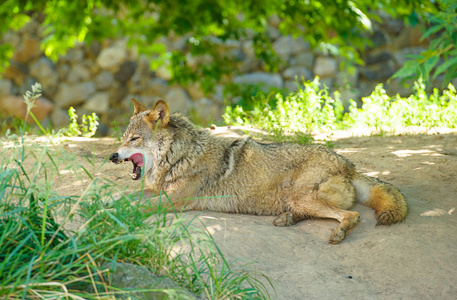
[201, 171]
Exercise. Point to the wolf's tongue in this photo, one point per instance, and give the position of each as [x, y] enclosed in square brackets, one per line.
[137, 159]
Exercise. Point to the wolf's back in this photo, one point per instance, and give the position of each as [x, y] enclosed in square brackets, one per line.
[388, 202]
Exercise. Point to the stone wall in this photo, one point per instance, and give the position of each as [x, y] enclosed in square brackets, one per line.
[103, 76]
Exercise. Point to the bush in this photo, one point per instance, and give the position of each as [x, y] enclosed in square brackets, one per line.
[312, 108]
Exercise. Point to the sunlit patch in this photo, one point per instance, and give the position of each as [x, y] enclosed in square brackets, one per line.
[351, 150]
[406, 153]
[437, 212]
[372, 174]
[385, 173]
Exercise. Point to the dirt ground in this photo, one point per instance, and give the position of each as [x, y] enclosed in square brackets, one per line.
[416, 259]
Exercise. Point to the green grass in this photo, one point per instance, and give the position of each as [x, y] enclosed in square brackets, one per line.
[58, 246]
[41, 257]
[311, 108]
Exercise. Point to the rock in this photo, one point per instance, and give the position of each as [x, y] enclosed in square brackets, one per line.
[74, 55]
[178, 100]
[17, 72]
[409, 37]
[117, 93]
[286, 46]
[378, 38]
[326, 83]
[6, 87]
[12, 38]
[379, 71]
[112, 57]
[93, 50]
[156, 87]
[292, 85]
[15, 106]
[62, 71]
[305, 59]
[195, 91]
[165, 72]
[125, 72]
[401, 56]
[59, 118]
[73, 94]
[30, 27]
[325, 66]
[98, 103]
[28, 50]
[44, 71]
[208, 111]
[104, 80]
[378, 57]
[78, 73]
[131, 277]
[344, 79]
[301, 73]
[267, 79]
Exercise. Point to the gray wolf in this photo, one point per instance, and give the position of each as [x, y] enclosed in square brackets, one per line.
[200, 171]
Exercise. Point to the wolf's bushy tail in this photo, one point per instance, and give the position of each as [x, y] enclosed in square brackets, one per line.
[387, 201]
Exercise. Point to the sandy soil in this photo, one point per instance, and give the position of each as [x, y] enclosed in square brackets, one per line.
[416, 259]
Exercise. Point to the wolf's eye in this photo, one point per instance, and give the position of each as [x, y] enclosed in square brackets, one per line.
[134, 138]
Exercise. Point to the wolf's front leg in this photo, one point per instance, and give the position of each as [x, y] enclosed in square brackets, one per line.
[170, 202]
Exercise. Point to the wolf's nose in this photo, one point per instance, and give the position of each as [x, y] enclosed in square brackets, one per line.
[114, 157]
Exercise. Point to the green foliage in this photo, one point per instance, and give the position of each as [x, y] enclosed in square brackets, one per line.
[312, 108]
[441, 56]
[336, 27]
[40, 257]
[87, 127]
[289, 118]
[379, 111]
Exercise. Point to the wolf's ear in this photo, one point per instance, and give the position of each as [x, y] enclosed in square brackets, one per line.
[159, 112]
[138, 106]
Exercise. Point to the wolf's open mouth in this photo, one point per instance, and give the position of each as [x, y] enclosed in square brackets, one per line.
[137, 160]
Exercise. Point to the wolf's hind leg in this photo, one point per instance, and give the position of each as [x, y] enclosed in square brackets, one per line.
[288, 218]
[317, 209]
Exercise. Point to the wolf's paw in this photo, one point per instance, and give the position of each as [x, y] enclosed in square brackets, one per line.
[284, 220]
[337, 236]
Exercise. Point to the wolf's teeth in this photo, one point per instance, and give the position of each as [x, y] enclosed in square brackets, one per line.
[133, 175]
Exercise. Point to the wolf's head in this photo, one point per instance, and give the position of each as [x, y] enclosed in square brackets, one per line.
[138, 140]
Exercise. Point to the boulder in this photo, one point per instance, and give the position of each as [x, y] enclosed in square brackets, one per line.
[74, 55]
[28, 50]
[156, 87]
[125, 72]
[17, 72]
[286, 46]
[43, 70]
[15, 106]
[6, 87]
[305, 59]
[104, 80]
[195, 91]
[261, 78]
[113, 56]
[178, 100]
[98, 103]
[73, 94]
[301, 73]
[325, 66]
[59, 118]
[78, 73]
[208, 111]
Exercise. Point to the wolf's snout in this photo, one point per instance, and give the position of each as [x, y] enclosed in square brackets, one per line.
[114, 158]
